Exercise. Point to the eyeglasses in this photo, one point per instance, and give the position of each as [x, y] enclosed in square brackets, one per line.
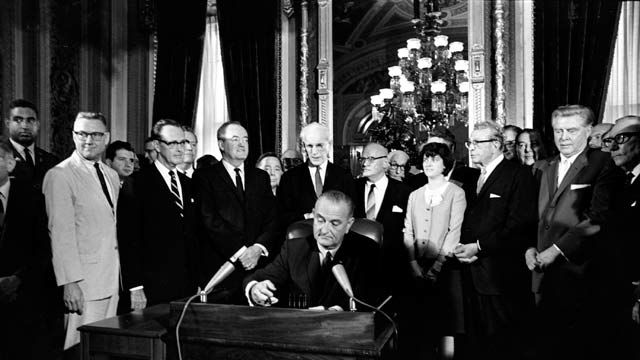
[619, 139]
[174, 144]
[85, 135]
[370, 159]
[474, 143]
[396, 166]
[237, 139]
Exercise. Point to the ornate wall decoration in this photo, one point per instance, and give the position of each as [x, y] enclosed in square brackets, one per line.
[304, 66]
[287, 7]
[501, 113]
[325, 67]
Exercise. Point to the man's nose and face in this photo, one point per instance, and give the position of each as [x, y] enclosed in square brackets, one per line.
[272, 166]
[597, 133]
[570, 134]
[624, 143]
[123, 163]
[509, 148]
[190, 151]
[7, 164]
[483, 146]
[23, 125]
[397, 167]
[235, 145]
[316, 146]
[374, 162]
[526, 152]
[170, 146]
[90, 137]
[150, 153]
[331, 221]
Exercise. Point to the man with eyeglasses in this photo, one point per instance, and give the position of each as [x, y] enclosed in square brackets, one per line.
[510, 133]
[190, 152]
[398, 160]
[384, 200]
[576, 188]
[32, 162]
[301, 186]
[237, 212]
[597, 134]
[623, 140]
[161, 257]
[499, 223]
[81, 194]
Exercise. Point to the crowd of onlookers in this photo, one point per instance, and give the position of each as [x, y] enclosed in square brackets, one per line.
[520, 254]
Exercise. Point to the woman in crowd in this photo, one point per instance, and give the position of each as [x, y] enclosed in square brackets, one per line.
[431, 231]
[530, 147]
[270, 163]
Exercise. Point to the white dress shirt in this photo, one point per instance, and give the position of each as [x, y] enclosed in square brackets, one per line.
[323, 172]
[164, 171]
[378, 192]
[232, 173]
[488, 169]
[20, 149]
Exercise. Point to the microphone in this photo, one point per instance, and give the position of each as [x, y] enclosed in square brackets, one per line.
[341, 275]
[225, 270]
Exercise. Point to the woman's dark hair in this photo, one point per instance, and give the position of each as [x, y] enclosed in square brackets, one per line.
[438, 149]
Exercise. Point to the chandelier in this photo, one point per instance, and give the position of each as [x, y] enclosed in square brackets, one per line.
[428, 88]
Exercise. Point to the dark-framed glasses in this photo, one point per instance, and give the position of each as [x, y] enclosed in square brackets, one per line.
[397, 166]
[174, 144]
[370, 159]
[474, 143]
[83, 135]
[619, 139]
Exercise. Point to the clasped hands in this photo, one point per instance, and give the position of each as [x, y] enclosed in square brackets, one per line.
[249, 258]
[466, 253]
[540, 260]
[9, 288]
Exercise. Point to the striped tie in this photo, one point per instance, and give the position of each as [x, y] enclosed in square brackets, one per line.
[175, 192]
[371, 203]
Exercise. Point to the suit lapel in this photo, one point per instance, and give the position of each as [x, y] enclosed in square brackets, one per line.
[228, 181]
[495, 174]
[574, 170]
[313, 268]
[387, 202]
[308, 183]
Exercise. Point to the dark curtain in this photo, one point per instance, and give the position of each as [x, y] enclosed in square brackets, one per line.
[247, 37]
[180, 31]
[574, 43]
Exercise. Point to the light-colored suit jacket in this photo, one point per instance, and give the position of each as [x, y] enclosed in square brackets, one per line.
[430, 231]
[82, 227]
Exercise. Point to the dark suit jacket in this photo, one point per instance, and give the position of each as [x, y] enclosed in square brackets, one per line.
[569, 215]
[296, 270]
[226, 223]
[167, 245]
[43, 162]
[297, 196]
[25, 246]
[463, 176]
[502, 218]
[393, 250]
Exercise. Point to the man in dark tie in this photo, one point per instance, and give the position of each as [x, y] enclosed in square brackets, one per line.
[300, 187]
[303, 267]
[25, 258]
[167, 252]
[623, 141]
[576, 189]
[120, 157]
[237, 211]
[190, 152]
[32, 162]
[498, 217]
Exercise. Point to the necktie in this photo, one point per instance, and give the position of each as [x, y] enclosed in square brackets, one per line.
[628, 178]
[562, 170]
[318, 182]
[371, 203]
[176, 194]
[326, 263]
[2, 197]
[481, 179]
[239, 185]
[103, 183]
[28, 158]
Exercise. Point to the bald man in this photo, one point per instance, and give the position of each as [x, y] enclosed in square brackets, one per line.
[597, 134]
[379, 198]
[398, 160]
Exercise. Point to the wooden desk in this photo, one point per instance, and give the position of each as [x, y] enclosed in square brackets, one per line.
[137, 335]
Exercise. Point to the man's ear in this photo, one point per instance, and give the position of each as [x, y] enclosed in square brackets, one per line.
[349, 224]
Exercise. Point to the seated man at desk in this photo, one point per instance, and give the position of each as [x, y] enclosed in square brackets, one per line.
[303, 268]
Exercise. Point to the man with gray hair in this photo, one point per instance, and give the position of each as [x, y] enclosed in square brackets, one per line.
[497, 222]
[398, 160]
[301, 186]
[81, 194]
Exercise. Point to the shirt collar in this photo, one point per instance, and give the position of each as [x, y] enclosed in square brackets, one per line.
[635, 172]
[230, 168]
[86, 162]
[492, 165]
[571, 158]
[322, 166]
[163, 169]
[21, 147]
[381, 183]
[324, 251]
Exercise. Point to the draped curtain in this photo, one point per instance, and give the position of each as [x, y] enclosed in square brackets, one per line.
[212, 108]
[180, 30]
[623, 95]
[573, 48]
[247, 37]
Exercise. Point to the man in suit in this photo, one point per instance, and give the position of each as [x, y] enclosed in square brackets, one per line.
[81, 193]
[576, 190]
[510, 133]
[498, 217]
[384, 200]
[303, 267]
[32, 162]
[190, 152]
[167, 250]
[461, 175]
[301, 186]
[120, 157]
[398, 160]
[236, 209]
[24, 262]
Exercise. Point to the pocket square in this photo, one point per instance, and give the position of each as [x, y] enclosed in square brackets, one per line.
[579, 186]
[494, 196]
[396, 209]
[633, 204]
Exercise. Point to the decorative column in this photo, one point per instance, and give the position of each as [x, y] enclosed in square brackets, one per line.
[304, 66]
[286, 60]
[325, 67]
[479, 93]
[501, 112]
